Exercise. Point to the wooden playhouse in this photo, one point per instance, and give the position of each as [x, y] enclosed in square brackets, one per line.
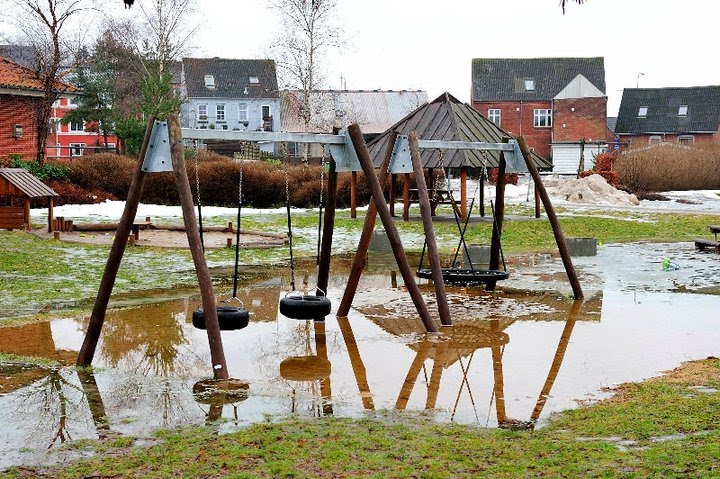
[18, 186]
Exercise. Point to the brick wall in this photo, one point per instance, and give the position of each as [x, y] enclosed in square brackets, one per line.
[517, 118]
[635, 141]
[18, 110]
[578, 118]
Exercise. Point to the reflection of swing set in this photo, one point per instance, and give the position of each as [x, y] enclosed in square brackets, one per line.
[162, 150]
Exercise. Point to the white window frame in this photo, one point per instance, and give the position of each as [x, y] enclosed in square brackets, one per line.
[203, 117]
[209, 82]
[542, 118]
[80, 149]
[243, 112]
[494, 115]
[654, 139]
[529, 84]
[642, 112]
[682, 110]
[75, 130]
[686, 139]
[220, 112]
[253, 80]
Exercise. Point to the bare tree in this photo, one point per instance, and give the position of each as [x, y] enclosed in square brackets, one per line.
[44, 26]
[308, 30]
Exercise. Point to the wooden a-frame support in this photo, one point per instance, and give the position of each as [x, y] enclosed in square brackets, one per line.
[92, 336]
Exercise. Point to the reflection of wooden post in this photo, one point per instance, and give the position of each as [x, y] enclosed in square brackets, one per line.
[411, 377]
[321, 351]
[95, 402]
[359, 260]
[498, 386]
[439, 363]
[463, 192]
[406, 197]
[557, 360]
[353, 194]
[552, 217]
[426, 214]
[356, 362]
[390, 228]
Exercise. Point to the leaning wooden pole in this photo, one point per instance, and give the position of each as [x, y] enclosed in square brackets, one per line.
[426, 215]
[550, 211]
[390, 229]
[97, 318]
[177, 152]
[498, 217]
[358, 263]
[328, 228]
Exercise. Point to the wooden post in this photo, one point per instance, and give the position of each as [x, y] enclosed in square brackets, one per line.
[406, 197]
[353, 194]
[498, 220]
[536, 194]
[56, 235]
[482, 193]
[390, 229]
[207, 292]
[97, 318]
[51, 210]
[426, 214]
[361, 254]
[550, 211]
[393, 181]
[328, 227]
[463, 192]
[26, 215]
[229, 242]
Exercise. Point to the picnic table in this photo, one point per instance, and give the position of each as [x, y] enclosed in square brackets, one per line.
[702, 244]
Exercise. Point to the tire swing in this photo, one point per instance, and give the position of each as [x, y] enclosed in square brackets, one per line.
[465, 276]
[295, 304]
[230, 318]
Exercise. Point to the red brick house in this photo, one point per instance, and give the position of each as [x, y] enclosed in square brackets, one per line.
[74, 139]
[20, 96]
[677, 115]
[558, 104]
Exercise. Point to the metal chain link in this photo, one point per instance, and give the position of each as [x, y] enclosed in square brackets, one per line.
[322, 172]
[197, 172]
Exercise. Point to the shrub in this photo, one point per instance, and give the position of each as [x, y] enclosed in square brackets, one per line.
[510, 178]
[45, 172]
[668, 167]
[74, 194]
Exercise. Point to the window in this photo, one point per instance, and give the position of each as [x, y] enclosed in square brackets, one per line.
[686, 139]
[242, 112]
[654, 140]
[220, 112]
[682, 110]
[293, 149]
[77, 126]
[76, 149]
[494, 115]
[530, 85]
[209, 82]
[542, 118]
[254, 80]
[642, 112]
[202, 112]
[266, 112]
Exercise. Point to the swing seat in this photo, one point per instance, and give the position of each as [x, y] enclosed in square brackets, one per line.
[305, 306]
[466, 277]
[230, 318]
[305, 368]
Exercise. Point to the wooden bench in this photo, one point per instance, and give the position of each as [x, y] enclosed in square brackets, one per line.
[703, 244]
[714, 229]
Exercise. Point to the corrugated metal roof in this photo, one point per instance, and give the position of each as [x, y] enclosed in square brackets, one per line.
[446, 118]
[27, 183]
[375, 111]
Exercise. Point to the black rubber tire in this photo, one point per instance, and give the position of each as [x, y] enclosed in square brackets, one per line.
[230, 318]
[305, 368]
[306, 306]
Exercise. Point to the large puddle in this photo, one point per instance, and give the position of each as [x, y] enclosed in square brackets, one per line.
[513, 358]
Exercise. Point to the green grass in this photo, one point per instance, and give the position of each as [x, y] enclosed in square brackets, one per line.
[586, 442]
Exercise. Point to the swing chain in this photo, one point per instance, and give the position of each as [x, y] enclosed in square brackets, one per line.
[283, 154]
[322, 173]
[197, 172]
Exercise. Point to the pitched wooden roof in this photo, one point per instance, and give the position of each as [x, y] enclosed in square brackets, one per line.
[446, 118]
[25, 182]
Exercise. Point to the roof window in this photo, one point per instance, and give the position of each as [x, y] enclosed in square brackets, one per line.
[210, 82]
[682, 110]
[642, 112]
[254, 80]
[529, 85]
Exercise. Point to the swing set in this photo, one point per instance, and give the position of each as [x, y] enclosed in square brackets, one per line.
[163, 150]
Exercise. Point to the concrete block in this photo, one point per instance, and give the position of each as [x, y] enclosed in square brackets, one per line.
[479, 254]
[379, 241]
[582, 246]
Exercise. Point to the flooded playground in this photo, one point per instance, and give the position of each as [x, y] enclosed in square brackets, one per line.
[512, 358]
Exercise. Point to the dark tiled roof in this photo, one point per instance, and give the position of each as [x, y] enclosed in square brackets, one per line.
[232, 78]
[503, 79]
[610, 122]
[703, 112]
[446, 118]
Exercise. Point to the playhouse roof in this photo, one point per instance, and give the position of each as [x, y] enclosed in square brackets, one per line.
[26, 183]
[446, 118]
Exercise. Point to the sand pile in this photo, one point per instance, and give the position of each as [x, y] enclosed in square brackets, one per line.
[591, 190]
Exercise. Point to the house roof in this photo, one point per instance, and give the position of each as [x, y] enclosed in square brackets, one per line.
[446, 118]
[231, 77]
[21, 54]
[663, 110]
[375, 111]
[24, 181]
[610, 122]
[21, 79]
[503, 79]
